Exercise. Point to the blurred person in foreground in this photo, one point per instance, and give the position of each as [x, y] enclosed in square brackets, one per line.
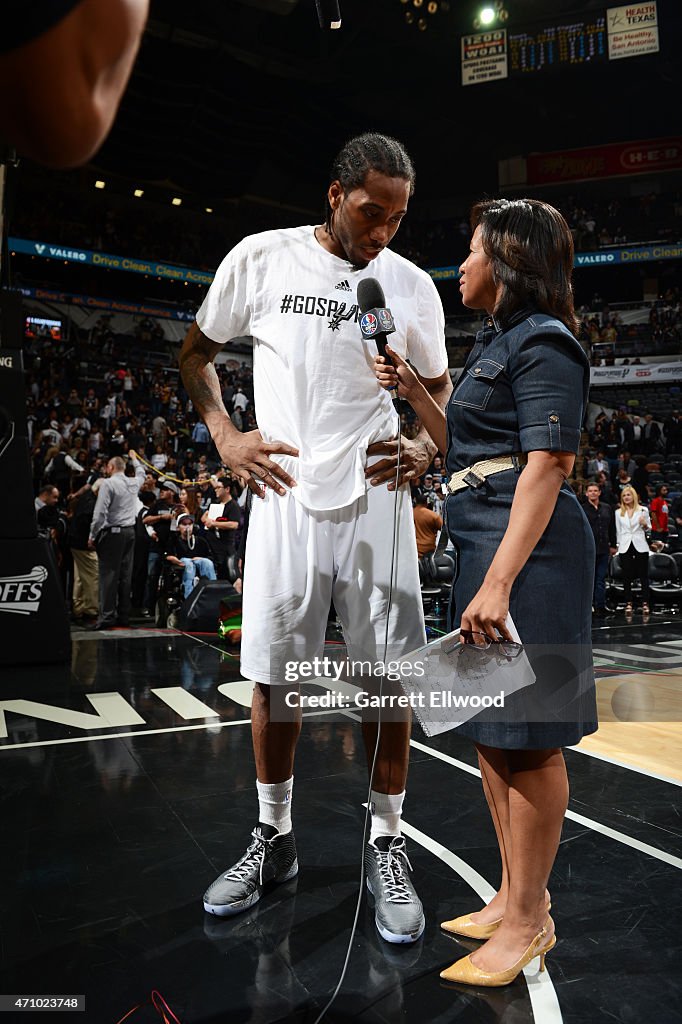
[512, 428]
[64, 65]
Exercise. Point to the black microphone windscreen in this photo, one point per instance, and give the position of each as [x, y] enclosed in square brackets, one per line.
[328, 13]
[370, 294]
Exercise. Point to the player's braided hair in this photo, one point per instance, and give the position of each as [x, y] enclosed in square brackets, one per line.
[368, 152]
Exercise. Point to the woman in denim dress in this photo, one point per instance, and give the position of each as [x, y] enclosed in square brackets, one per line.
[524, 547]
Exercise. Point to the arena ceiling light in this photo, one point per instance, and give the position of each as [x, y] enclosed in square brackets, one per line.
[420, 12]
[176, 201]
[138, 193]
[99, 183]
[491, 14]
[209, 209]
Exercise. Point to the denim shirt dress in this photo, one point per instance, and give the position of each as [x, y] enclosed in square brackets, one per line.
[525, 389]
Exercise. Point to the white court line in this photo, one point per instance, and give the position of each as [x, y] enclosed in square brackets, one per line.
[596, 826]
[139, 732]
[657, 647]
[624, 764]
[577, 750]
[620, 837]
[462, 765]
[615, 656]
[541, 991]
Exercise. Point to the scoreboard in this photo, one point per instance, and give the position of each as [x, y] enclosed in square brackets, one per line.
[577, 42]
[609, 34]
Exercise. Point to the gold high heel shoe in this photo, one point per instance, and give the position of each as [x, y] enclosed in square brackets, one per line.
[467, 973]
[465, 926]
[470, 929]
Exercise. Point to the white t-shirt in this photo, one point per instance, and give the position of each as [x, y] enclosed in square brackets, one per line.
[314, 383]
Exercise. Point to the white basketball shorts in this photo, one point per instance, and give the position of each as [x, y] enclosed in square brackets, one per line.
[297, 560]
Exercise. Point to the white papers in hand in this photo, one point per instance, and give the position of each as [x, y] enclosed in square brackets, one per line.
[448, 682]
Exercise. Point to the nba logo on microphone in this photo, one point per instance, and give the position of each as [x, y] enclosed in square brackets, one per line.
[369, 324]
[386, 320]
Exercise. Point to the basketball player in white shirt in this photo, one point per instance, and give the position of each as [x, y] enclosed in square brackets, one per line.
[323, 463]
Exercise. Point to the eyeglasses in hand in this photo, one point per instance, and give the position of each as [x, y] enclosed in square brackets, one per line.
[483, 642]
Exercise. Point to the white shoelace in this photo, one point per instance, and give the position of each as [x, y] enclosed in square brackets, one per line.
[392, 870]
[254, 854]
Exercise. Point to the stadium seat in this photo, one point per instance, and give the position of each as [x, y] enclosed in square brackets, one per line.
[664, 585]
[436, 574]
[677, 556]
[614, 584]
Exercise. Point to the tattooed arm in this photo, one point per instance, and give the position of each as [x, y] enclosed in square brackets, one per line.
[247, 455]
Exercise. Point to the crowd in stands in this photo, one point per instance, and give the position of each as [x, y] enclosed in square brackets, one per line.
[632, 495]
[598, 223]
[110, 222]
[81, 425]
[96, 395]
[608, 338]
[78, 425]
[191, 508]
[628, 441]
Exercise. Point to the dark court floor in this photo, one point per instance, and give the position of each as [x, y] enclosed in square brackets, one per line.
[119, 810]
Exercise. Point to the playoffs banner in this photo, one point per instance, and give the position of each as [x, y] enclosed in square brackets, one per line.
[620, 158]
[653, 372]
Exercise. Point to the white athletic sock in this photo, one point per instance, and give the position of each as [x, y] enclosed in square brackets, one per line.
[274, 804]
[386, 809]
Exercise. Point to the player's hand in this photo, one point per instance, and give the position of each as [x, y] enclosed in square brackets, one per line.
[249, 458]
[399, 376]
[415, 459]
[487, 611]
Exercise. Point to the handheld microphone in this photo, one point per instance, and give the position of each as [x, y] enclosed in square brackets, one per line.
[376, 320]
[328, 13]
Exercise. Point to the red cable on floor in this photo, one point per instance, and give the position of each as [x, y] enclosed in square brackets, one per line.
[159, 1004]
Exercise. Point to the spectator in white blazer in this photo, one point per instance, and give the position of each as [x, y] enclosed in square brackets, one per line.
[632, 519]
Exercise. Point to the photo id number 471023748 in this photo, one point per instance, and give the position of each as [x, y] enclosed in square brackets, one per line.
[19, 1003]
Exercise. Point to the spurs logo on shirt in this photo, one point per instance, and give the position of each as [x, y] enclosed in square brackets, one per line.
[315, 305]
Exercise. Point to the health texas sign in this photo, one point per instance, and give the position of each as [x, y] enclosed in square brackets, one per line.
[632, 30]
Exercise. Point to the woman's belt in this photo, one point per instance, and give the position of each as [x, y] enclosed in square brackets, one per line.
[475, 476]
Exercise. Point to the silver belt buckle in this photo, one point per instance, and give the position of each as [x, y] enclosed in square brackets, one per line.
[473, 480]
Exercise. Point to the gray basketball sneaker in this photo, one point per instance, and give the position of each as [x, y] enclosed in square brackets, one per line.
[269, 859]
[398, 911]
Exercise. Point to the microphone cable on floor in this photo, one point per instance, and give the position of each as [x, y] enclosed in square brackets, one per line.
[374, 755]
